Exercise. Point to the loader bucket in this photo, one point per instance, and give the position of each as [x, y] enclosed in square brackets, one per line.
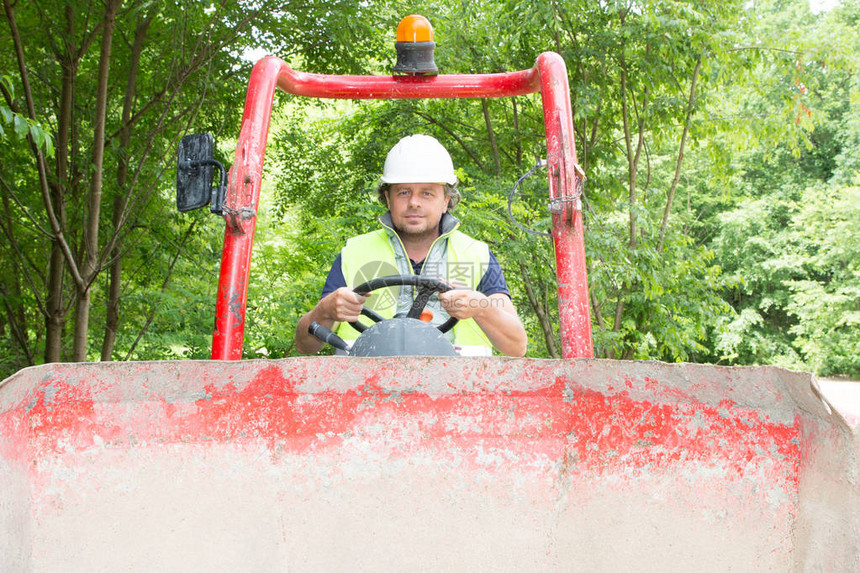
[442, 464]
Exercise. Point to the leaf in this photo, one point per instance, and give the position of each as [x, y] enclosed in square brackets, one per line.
[36, 134]
[7, 84]
[49, 144]
[21, 126]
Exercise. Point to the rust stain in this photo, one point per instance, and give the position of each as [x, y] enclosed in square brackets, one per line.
[576, 430]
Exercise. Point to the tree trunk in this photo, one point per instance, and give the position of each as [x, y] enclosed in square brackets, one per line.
[114, 289]
[55, 318]
[10, 289]
[516, 123]
[540, 311]
[10, 286]
[679, 162]
[91, 228]
[491, 135]
[632, 156]
[632, 170]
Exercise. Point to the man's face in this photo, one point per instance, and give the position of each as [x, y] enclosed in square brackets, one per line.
[417, 208]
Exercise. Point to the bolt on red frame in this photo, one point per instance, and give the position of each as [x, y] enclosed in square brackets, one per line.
[549, 76]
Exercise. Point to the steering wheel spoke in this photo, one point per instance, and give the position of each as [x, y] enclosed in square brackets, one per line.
[421, 300]
[371, 314]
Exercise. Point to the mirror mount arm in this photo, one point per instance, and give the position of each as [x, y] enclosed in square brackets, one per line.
[216, 205]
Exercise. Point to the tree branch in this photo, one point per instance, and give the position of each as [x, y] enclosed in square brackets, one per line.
[540, 311]
[113, 291]
[164, 284]
[21, 259]
[127, 204]
[17, 333]
[485, 107]
[764, 49]
[632, 157]
[517, 134]
[25, 209]
[40, 159]
[450, 132]
[679, 162]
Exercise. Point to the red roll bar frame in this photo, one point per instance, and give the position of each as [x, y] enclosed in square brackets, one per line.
[549, 76]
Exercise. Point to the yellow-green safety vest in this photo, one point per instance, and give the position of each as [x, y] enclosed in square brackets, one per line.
[464, 260]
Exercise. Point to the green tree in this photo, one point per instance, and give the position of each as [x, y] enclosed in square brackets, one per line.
[116, 85]
[790, 239]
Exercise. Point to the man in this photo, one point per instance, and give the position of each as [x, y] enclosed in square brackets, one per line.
[420, 236]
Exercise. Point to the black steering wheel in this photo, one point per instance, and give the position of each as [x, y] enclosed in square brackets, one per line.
[426, 287]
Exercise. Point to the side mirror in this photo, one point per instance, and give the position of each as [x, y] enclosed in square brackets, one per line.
[195, 163]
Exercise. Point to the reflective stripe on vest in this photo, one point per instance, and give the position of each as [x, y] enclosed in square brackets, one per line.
[372, 255]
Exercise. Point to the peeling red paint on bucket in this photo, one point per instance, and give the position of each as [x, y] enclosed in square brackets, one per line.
[728, 460]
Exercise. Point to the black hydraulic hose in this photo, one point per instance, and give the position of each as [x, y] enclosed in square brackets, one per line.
[539, 164]
[327, 336]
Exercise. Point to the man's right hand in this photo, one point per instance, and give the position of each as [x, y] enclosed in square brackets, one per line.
[343, 305]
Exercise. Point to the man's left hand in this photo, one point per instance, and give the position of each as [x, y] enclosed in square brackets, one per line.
[495, 315]
[464, 303]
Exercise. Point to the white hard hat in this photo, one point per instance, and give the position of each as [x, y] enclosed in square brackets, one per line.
[419, 159]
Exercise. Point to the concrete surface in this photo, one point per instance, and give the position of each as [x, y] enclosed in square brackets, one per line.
[430, 464]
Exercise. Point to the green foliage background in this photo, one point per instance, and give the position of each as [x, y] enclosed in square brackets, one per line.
[720, 139]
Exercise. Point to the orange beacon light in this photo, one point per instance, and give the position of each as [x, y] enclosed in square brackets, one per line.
[414, 28]
[415, 47]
